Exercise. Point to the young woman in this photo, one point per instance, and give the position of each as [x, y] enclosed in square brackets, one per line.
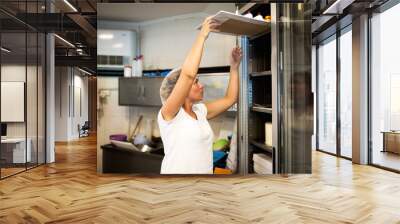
[184, 129]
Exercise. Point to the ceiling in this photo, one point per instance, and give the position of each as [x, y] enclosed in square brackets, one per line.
[72, 20]
[139, 12]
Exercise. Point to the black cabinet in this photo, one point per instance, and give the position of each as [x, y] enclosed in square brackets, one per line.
[117, 160]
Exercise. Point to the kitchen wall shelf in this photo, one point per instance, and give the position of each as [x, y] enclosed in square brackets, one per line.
[263, 73]
[262, 146]
[261, 109]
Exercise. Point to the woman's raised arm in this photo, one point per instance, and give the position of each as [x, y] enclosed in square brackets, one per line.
[216, 107]
[188, 72]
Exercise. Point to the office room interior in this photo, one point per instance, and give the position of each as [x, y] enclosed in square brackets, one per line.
[313, 135]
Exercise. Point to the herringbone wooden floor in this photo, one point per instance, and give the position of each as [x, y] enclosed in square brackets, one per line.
[70, 191]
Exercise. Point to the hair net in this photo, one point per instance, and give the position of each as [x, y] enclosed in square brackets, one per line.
[168, 84]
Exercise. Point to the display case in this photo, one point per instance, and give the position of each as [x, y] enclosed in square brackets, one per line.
[275, 116]
[256, 107]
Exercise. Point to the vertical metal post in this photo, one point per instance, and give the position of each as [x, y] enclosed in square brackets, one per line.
[50, 91]
[26, 88]
[243, 110]
[338, 74]
[275, 87]
[316, 103]
[0, 92]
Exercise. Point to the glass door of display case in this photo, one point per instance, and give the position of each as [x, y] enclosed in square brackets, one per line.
[275, 115]
[291, 75]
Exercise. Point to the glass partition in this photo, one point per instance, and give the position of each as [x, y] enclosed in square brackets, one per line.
[385, 89]
[14, 153]
[22, 89]
[346, 93]
[327, 95]
[31, 98]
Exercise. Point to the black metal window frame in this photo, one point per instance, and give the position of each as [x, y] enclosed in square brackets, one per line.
[334, 37]
[381, 9]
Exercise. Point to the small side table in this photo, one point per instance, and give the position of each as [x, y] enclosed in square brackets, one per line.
[391, 141]
[14, 149]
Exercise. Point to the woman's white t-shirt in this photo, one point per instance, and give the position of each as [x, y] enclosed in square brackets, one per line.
[187, 142]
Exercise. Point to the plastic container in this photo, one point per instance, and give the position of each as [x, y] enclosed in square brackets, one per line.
[119, 137]
[268, 134]
[137, 70]
[127, 71]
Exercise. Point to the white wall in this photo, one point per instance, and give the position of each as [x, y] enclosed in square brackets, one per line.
[17, 73]
[33, 127]
[68, 83]
[81, 108]
[62, 81]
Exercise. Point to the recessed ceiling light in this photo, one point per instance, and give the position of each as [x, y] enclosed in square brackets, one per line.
[64, 40]
[106, 36]
[118, 45]
[70, 5]
[86, 72]
[337, 7]
[5, 49]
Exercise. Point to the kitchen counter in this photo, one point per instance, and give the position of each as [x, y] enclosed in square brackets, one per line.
[118, 160]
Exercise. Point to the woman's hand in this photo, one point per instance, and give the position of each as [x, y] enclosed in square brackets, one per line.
[236, 57]
[209, 25]
[216, 107]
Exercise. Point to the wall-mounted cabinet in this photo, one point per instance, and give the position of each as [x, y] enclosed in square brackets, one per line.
[144, 91]
[139, 91]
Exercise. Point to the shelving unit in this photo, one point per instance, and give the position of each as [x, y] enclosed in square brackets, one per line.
[260, 90]
[262, 146]
[276, 103]
[263, 73]
[267, 110]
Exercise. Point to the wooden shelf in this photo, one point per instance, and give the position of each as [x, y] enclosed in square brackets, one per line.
[263, 73]
[266, 110]
[261, 145]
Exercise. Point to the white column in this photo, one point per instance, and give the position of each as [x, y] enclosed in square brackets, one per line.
[360, 90]
[50, 99]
